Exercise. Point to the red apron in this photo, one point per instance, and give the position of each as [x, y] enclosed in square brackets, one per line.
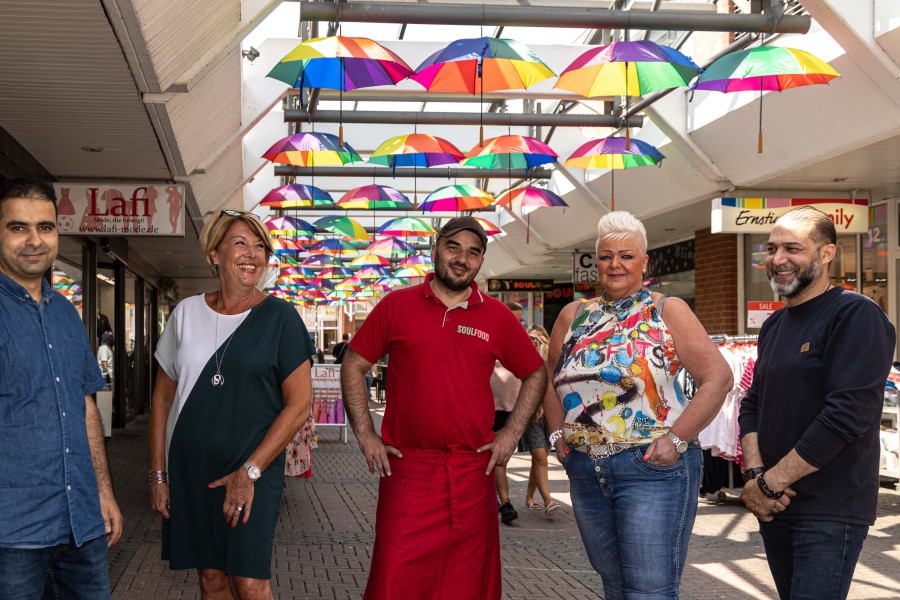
[436, 530]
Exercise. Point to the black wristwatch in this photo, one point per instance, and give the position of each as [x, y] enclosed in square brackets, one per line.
[752, 473]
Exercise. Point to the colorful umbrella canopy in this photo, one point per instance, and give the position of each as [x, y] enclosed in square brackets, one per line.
[350, 283]
[295, 195]
[289, 226]
[369, 260]
[371, 273]
[763, 68]
[409, 272]
[489, 228]
[390, 246]
[344, 226]
[335, 273]
[482, 64]
[373, 196]
[529, 195]
[611, 153]
[311, 149]
[415, 150]
[321, 260]
[418, 259]
[456, 198]
[510, 152]
[333, 247]
[340, 63]
[298, 273]
[627, 69]
[407, 226]
[285, 246]
[392, 282]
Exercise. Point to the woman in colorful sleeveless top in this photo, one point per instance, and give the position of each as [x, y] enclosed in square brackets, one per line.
[620, 423]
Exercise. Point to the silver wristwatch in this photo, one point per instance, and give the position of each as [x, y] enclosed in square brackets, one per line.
[252, 472]
[681, 446]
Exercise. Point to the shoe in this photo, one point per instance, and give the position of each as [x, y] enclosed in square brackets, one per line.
[552, 507]
[507, 513]
[533, 504]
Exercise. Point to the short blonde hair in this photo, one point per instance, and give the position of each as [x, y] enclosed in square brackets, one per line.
[214, 232]
[621, 224]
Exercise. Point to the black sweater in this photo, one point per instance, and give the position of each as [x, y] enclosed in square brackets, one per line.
[818, 387]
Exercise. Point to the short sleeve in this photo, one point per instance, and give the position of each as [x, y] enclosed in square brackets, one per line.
[371, 341]
[167, 347]
[294, 346]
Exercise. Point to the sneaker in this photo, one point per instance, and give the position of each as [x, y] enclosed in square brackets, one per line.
[507, 513]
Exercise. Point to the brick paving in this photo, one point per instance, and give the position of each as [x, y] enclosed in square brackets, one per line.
[324, 538]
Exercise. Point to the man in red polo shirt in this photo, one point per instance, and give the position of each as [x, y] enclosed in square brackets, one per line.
[436, 530]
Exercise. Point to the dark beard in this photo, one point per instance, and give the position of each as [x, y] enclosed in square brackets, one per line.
[442, 274]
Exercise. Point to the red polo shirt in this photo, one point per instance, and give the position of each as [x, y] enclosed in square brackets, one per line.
[440, 364]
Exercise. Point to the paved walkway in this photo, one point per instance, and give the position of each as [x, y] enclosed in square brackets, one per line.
[323, 544]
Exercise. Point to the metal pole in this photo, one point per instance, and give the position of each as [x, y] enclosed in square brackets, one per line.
[430, 118]
[433, 172]
[541, 16]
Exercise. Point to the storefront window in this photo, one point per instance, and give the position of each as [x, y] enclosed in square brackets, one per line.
[843, 268]
[875, 257]
[671, 270]
[67, 281]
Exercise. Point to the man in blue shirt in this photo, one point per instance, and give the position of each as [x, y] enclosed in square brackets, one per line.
[810, 421]
[58, 510]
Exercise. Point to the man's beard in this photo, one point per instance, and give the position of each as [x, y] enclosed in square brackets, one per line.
[442, 274]
[805, 277]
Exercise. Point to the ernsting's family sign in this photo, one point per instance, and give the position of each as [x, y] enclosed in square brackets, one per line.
[115, 209]
[757, 215]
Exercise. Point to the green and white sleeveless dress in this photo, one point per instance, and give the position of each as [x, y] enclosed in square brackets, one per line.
[211, 431]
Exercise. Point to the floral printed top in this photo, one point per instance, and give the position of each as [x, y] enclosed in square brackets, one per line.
[616, 373]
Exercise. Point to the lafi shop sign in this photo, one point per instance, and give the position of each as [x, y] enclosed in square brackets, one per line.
[758, 215]
[113, 209]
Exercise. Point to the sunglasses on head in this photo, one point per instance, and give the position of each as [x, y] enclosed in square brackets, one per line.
[239, 213]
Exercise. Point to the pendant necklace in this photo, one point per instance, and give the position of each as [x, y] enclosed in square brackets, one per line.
[218, 380]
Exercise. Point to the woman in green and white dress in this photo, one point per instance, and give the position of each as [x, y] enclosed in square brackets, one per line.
[233, 387]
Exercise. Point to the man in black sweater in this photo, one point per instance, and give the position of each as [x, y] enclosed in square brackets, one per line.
[810, 422]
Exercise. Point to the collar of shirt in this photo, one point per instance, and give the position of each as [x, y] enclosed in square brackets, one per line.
[17, 291]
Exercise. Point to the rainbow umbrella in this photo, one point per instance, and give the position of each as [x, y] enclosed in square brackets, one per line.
[528, 195]
[416, 260]
[321, 260]
[335, 273]
[392, 282]
[296, 195]
[284, 246]
[415, 150]
[289, 226]
[344, 226]
[456, 198]
[763, 68]
[510, 152]
[407, 226]
[371, 273]
[350, 283]
[476, 65]
[311, 149]
[409, 272]
[298, 272]
[369, 260]
[611, 153]
[334, 247]
[489, 228]
[340, 63]
[373, 196]
[390, 246]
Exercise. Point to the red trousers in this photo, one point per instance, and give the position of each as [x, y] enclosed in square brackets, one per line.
[436, 529]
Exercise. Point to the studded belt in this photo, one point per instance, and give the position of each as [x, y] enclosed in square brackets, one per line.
[596, 451]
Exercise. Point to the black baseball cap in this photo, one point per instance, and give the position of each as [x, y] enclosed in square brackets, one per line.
[457, 224]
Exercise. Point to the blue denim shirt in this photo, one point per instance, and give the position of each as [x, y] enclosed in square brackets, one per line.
[48, 490]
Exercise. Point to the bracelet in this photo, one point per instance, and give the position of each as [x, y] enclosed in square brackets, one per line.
[156, 477]
[765, 489]
[554, 436]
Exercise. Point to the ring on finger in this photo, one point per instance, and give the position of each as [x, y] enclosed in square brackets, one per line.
[240, 508]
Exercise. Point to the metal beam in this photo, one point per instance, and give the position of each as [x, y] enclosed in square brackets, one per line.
[539, 16]
[437, 118]
[423, 173]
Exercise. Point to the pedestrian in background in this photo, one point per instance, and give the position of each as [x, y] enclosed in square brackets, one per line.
[58, 513]
[810, 421]
[621, 425]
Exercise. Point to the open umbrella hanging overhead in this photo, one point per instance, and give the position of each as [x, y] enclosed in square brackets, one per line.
[407, 227]
[457, 197]
[610, 153]
[373, 196]
[489, 228]
[764, 68]
[389, 247]
[627, 68]
[311, 149]
[297, 195]
[477, 65]
[415, 150]
[529, 195]
[510, 152]
[289, 227]
[346, 227]
[340, 63]
[370, 260]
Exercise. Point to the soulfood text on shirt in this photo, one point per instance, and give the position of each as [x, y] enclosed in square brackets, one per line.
[473, 331]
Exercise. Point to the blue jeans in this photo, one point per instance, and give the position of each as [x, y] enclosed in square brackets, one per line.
[61, 572]
[635, 519]
[812, 560]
